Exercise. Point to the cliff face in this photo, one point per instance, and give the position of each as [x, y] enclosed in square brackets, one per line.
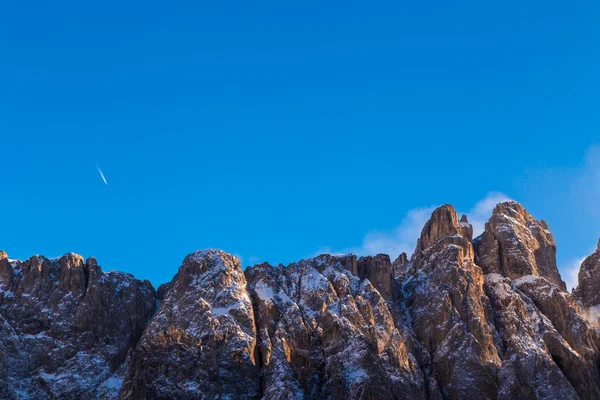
[447, 307]
[514, 244]
[588, 290]
[325, 332]
[202, 340]
[464, 318]
[66, 327]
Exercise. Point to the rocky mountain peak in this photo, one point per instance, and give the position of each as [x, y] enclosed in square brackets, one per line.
[91, 261]
[443, 222]
[335, 327]
[206, 318]
[588, 290]
[401, 259]
[6, 271]
[70, 260]
[515, 244]
[441, 230]
[400, 265]
[466, 228]
[510, 208]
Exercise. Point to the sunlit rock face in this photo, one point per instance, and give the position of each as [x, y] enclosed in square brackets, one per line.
[490, 336]
[540, 327]
[588, 290]
[462, 318]
[66, 327]
[514, 244]
[448, 309]
[201, 343]
[325, 332]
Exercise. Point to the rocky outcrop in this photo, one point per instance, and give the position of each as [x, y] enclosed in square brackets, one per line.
[487, 318]
[66, 327]
[325, 332]
[514, 244]
[538, 323]
[447, 305]
[378, 270]
[528, 369]
[588, 290]
[400, 266]
[571, 342]
[201, 344]
[489, 336]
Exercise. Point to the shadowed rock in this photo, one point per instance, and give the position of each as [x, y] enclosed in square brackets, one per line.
[66, 327]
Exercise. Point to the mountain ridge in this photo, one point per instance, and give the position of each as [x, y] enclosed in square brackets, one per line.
[462, 318]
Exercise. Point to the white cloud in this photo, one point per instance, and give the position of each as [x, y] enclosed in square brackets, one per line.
[585, 189]
[570, 272]
[403, 238]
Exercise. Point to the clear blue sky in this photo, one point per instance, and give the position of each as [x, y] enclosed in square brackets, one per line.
[272, 129]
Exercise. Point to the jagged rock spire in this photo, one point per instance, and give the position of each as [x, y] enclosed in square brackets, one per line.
[515, 244]
[400, 265]
[444, 292]
[443, 229]
[588, 290]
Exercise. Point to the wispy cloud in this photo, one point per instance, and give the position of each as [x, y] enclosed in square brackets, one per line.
[585, 191]
[403, 238]
[569, 197]
[570, 272]
[101, 174]
[482, 211]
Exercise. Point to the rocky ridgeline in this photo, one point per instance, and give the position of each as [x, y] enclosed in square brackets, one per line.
[463, 318]
[66, 327]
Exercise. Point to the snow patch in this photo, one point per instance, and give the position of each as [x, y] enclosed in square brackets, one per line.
[525, 279]
[113, 383]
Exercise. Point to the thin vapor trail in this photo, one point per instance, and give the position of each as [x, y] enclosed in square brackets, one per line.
[101, 175]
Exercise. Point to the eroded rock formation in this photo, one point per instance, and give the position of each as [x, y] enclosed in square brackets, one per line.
[514, 244]
[66, 327]
[588, 290]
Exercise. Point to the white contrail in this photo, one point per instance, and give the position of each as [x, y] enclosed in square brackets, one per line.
[101, 175]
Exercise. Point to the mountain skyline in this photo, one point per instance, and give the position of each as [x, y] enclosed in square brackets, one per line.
[336, 327]
[275, 131]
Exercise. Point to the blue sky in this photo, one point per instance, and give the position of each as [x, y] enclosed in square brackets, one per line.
[274, 130]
